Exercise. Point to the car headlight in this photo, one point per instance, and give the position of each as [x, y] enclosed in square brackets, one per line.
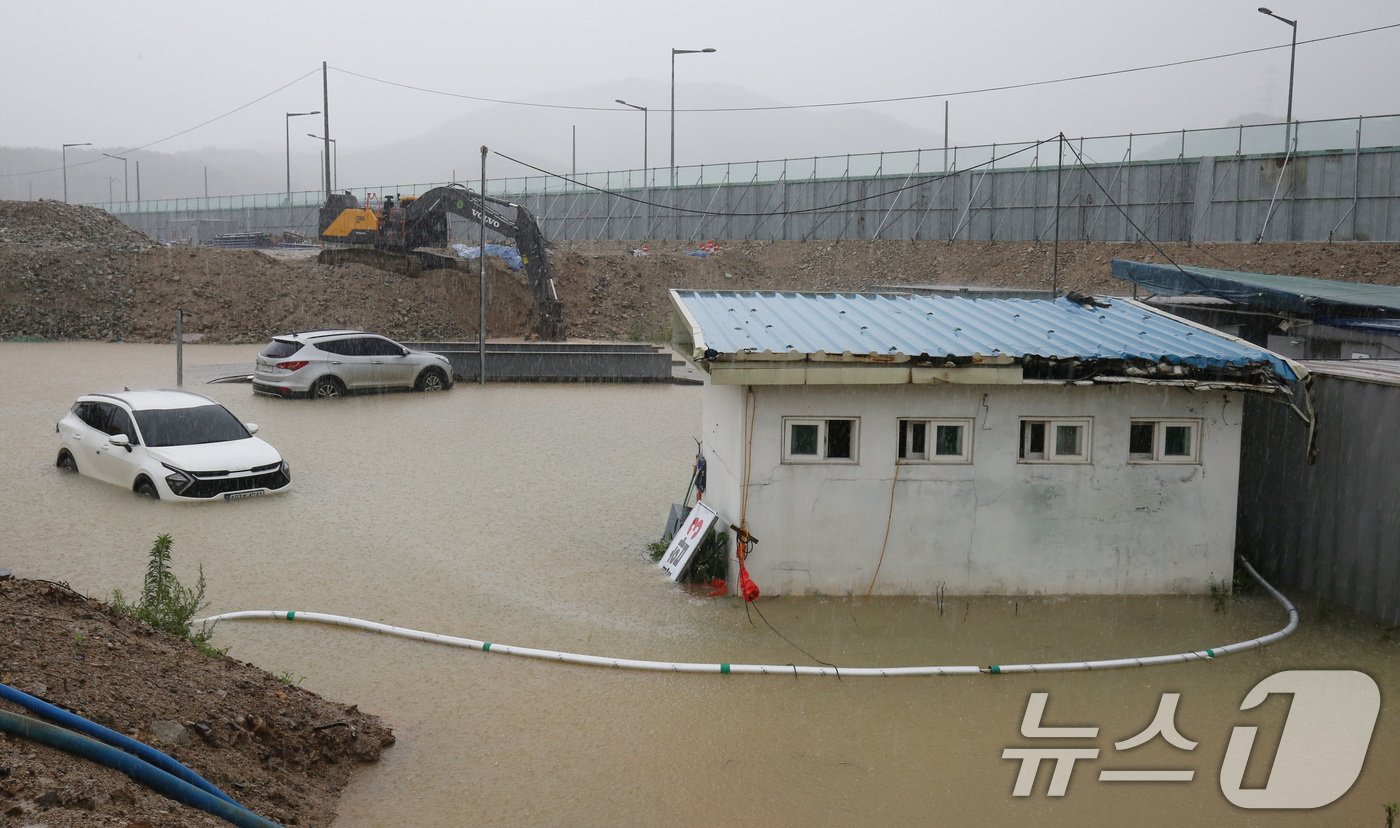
[178, 480]
[287, 470]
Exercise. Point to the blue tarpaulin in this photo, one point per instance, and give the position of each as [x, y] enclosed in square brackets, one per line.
[505, 253]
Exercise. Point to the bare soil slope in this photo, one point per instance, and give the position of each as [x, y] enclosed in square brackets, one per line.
[281, 751]
[69, 272]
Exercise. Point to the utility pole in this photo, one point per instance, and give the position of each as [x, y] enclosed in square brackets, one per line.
[481, 323]
[326, 127]
[1055, 266]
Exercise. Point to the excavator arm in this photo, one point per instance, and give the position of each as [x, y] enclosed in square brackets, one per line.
[425, 224]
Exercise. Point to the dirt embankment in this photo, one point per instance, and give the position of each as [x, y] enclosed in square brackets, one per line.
[283, 752]
[69, 272]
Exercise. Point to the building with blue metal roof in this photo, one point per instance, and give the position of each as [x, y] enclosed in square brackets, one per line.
[909, 444]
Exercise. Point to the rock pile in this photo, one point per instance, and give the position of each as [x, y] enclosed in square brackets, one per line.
[47, 223]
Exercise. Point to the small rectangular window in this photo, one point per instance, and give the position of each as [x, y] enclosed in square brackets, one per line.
[950, 441]
[1164, 441]
[1063, 440]
[820, 440]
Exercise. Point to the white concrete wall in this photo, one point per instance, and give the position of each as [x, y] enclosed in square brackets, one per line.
[994, 526]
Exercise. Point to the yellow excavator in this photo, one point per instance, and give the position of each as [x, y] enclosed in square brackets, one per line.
[399, 236]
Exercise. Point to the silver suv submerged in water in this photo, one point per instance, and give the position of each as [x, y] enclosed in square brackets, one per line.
[320, 364]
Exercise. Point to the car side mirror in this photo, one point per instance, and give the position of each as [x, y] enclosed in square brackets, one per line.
[120, 440]
[405, 352]
[252, 427]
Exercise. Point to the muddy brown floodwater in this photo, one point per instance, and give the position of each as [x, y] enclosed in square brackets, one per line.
[520, 514]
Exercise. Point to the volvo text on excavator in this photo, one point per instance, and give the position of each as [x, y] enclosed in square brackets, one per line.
[401, 228]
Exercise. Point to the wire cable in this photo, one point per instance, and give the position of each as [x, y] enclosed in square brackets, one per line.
[149, 144]
[803, 211]
[869, 101]
[1111, 200]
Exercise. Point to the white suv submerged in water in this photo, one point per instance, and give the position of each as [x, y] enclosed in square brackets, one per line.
[169, 444]
[322, 364]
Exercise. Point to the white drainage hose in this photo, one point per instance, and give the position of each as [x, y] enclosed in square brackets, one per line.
[780, 669]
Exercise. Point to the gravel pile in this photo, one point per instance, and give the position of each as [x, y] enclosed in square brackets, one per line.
[47, 223]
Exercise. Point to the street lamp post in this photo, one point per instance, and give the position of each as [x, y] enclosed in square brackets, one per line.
[1292, 56]
[126, 191]
[646, 167]
[287, 128]
[675, 52]
[335, 160]
[65, 166]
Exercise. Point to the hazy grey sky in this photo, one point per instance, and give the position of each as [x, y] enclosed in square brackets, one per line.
[123, 75]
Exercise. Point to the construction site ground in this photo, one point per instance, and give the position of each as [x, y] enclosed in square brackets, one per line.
[76, 273]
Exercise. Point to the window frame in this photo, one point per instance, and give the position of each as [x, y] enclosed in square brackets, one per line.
[1158, 455]
[931, 457]
[822, 423]
[1049, 455]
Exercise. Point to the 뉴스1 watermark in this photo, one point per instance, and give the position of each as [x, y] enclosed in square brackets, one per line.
[1320, 751]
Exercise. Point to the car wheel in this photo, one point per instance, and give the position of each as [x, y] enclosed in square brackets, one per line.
[326, 388]
[432, 380]
[145, 488]
[66, 461]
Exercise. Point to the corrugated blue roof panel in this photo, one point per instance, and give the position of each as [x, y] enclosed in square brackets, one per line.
[900, 327]
[1296, 294]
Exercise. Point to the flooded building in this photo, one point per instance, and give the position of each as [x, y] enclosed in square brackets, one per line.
[920, 445]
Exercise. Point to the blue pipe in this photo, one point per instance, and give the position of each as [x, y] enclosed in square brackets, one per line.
[145, 752]
[148, 775]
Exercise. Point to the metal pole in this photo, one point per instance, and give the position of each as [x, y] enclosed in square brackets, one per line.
[945, 136]
[126, 179]
[326, 125]
[646, 184]
[179, 347]
[287, 133]
[1292, 55]
[481, 324]
[675, 52]
[1356, 182]
[1055, 267]
[138, 182]
[673, 126]
[65, 166]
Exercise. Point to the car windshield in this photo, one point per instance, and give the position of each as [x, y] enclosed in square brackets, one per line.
[187, 426]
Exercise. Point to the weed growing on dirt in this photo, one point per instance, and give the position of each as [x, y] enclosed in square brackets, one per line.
[167, 604]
